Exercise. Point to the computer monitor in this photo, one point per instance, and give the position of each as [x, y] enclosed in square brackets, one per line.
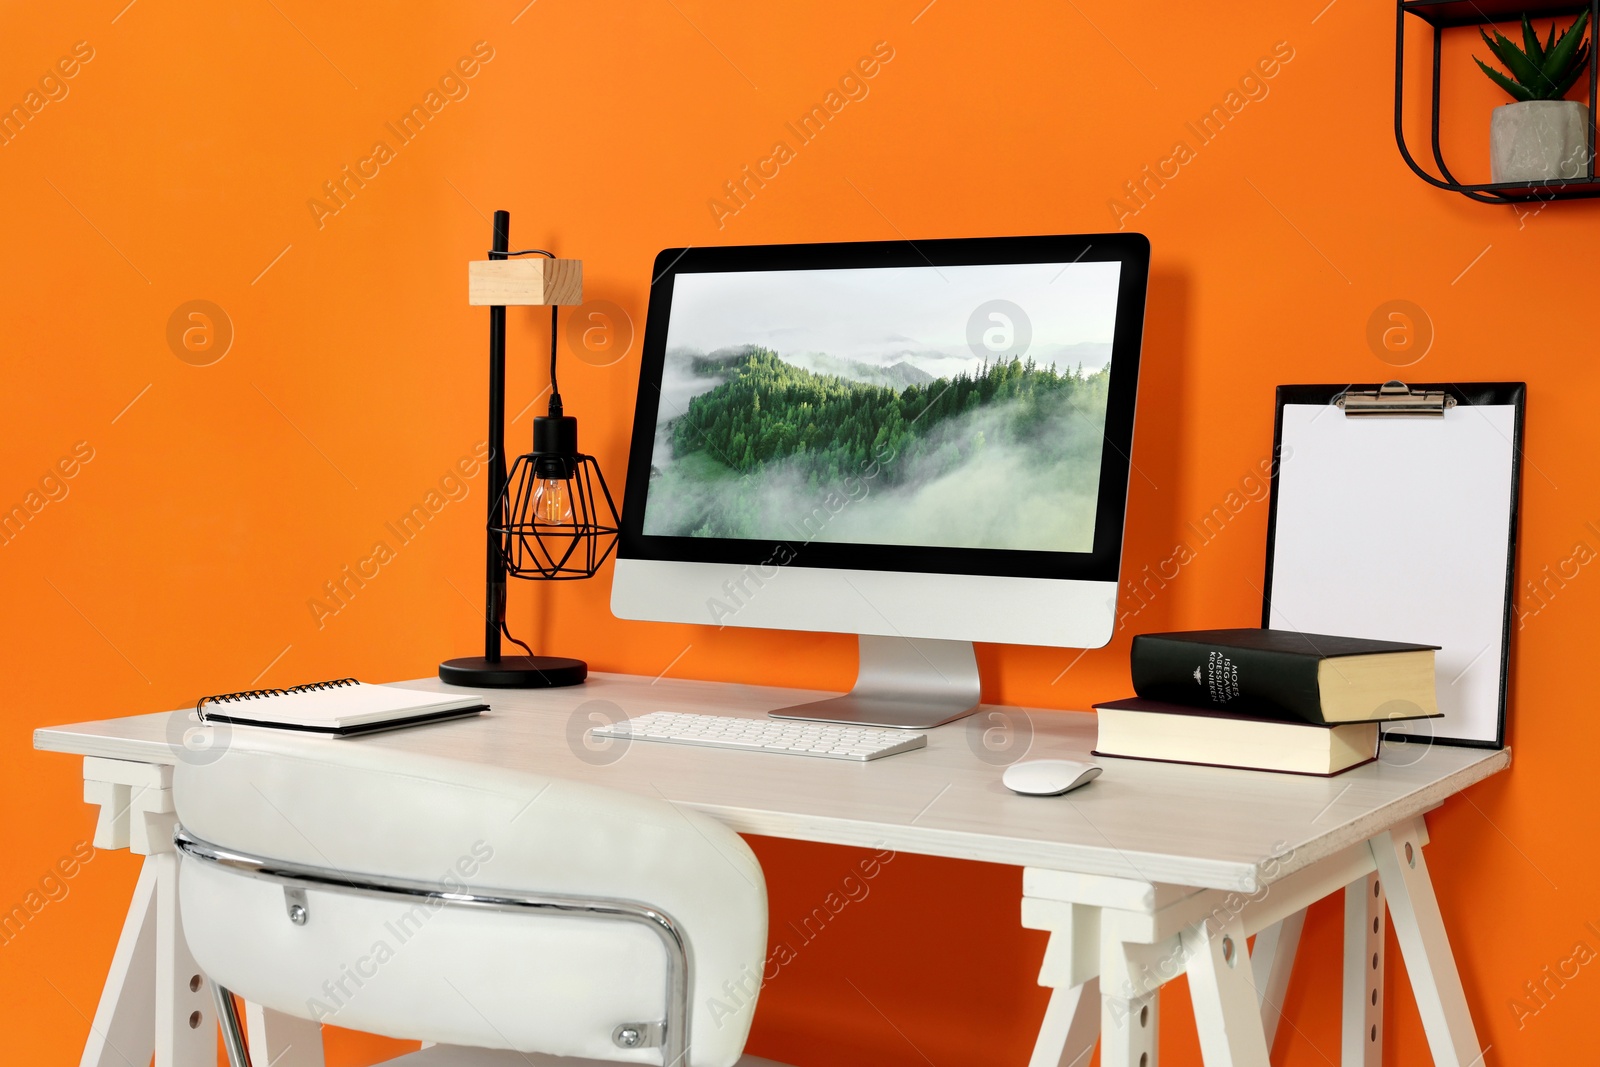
[924, 443]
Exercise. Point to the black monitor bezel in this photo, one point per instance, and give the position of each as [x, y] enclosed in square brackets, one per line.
[1101, 564]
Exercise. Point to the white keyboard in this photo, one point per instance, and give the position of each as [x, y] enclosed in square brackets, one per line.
[793, 736]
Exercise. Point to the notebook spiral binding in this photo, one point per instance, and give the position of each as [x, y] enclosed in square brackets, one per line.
[258, 694]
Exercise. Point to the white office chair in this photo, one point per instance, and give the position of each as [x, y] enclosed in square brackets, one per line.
[559, 923]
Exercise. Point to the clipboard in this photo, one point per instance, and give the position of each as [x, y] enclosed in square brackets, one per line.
[1394, 516]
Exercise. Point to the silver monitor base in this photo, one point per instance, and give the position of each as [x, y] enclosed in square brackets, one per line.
[903, 683]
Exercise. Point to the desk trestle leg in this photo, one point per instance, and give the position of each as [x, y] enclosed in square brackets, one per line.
[1227, 1010]
[186, 1021]
[1362, 1041]
[155, 1002]
[123, 1030]
[1419, 929]
[1271, 963]
[1071, 1027]
[1071, 971]
[1130, 1029]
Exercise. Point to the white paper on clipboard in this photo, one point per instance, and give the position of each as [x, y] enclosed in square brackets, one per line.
[1400, 529]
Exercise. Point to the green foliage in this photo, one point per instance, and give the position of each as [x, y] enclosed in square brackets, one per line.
[1539, 71]
[825, 428]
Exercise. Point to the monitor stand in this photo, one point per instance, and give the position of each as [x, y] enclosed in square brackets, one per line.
[904, 683]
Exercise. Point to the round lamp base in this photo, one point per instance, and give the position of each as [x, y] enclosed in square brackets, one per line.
[514, 672]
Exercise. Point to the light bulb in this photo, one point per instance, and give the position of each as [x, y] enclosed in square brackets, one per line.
[552, 504]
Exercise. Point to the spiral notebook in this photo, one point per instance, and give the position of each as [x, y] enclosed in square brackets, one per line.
[341, 707]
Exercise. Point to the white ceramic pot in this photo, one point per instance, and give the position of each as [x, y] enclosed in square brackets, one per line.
[1538, 140]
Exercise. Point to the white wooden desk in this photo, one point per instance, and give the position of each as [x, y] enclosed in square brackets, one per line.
[1152, 871]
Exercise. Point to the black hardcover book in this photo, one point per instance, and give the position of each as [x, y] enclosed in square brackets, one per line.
[1281, 674]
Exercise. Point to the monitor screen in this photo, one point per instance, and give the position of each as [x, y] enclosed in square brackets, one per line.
[957, 406]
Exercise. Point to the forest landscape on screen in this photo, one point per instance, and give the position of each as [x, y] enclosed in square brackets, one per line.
[948, 407]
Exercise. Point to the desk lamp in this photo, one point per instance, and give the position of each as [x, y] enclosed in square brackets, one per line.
[553, 518]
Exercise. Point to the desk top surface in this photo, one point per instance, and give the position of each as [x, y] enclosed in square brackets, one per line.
[1153, 822]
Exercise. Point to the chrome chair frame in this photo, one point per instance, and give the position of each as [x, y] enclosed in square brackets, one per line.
[674, 1034]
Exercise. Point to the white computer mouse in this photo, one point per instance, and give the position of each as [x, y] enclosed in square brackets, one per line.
[1048, 777]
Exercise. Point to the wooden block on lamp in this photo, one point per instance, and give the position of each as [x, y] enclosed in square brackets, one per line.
[531, 281]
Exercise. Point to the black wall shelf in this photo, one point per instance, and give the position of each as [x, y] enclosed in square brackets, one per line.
[1441, 15]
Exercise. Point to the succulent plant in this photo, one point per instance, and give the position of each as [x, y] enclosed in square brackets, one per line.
[1539, 72]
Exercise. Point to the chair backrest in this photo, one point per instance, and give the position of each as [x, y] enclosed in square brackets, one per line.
[437, 967]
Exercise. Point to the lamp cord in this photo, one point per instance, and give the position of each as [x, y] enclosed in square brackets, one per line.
[555, 389]
[506, 630]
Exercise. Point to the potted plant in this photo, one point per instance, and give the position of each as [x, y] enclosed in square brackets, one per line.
[1541, 137]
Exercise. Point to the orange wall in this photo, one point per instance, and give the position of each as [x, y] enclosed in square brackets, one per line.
[178, 167]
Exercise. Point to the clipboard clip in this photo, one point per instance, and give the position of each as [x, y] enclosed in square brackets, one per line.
[1394, 398]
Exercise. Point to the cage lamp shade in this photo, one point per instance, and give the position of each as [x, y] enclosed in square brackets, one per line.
[557, 518]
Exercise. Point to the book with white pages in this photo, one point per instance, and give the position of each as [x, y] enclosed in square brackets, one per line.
[342, 707]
